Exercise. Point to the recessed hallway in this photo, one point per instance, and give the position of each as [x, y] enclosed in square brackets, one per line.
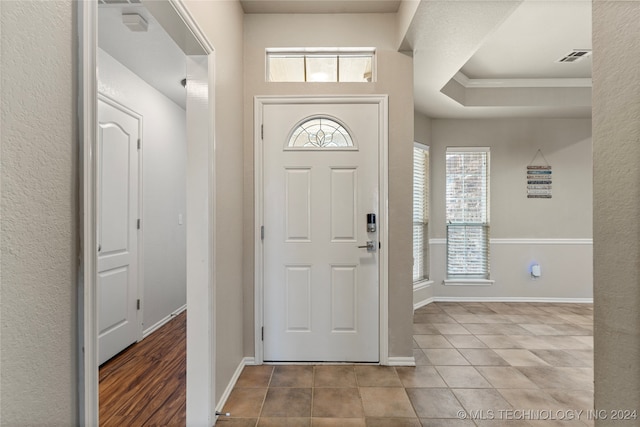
[515, 364]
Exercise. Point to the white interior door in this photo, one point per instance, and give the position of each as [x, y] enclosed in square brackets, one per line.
[321, 288]
[117, 179]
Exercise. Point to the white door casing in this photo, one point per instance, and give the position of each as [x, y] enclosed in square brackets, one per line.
[324, 298]
[119, 130]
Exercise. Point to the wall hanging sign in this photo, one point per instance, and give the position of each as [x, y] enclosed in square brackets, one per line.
[539, 178]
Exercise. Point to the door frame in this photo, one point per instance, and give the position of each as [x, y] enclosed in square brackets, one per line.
[200, 187]
[383, 202]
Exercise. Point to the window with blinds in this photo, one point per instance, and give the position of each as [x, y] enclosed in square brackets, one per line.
[467, 212]
[420, 213]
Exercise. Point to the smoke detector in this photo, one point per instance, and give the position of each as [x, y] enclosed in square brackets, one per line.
[575, 55]
[135, 22]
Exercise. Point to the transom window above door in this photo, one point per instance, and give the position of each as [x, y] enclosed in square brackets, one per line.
[320, 133]
[338, 65]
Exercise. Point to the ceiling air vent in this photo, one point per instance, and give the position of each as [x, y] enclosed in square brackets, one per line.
[575, 55]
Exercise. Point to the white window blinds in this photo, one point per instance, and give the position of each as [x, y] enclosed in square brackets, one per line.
[420, 213]
[467, 212]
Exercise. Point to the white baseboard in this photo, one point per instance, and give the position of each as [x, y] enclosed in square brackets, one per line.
[422, 290]
[162, 322]
[512, 299]
[247, 361]
[402, 361]
[422, 303]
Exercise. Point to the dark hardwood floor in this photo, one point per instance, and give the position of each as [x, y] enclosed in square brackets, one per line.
[145, 385]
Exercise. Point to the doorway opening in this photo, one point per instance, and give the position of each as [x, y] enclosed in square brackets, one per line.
[189, 152]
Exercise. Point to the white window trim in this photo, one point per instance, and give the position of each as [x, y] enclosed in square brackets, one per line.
[468, 149]
[422, 282]
[466, 281]
[320, 51]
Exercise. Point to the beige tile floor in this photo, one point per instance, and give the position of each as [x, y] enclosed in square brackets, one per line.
[502, 364]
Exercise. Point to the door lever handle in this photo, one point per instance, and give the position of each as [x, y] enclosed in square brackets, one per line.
[370, 246]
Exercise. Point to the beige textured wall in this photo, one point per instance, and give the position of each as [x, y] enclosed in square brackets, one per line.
[395, 78]
[616, 141]
[39, 214]
[222, 23]
[422, 132]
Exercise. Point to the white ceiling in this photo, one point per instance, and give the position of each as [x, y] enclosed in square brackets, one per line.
[152, 55]
[472, 58]
[532, 39]
[476, 59]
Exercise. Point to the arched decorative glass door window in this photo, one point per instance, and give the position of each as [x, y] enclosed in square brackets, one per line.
[320, 133]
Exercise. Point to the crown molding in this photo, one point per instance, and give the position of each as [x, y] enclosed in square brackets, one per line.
[468, 83]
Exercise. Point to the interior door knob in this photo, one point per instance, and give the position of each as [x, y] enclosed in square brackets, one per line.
[370, 246]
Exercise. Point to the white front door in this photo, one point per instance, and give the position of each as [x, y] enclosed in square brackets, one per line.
[117, 156]
[321, 287]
